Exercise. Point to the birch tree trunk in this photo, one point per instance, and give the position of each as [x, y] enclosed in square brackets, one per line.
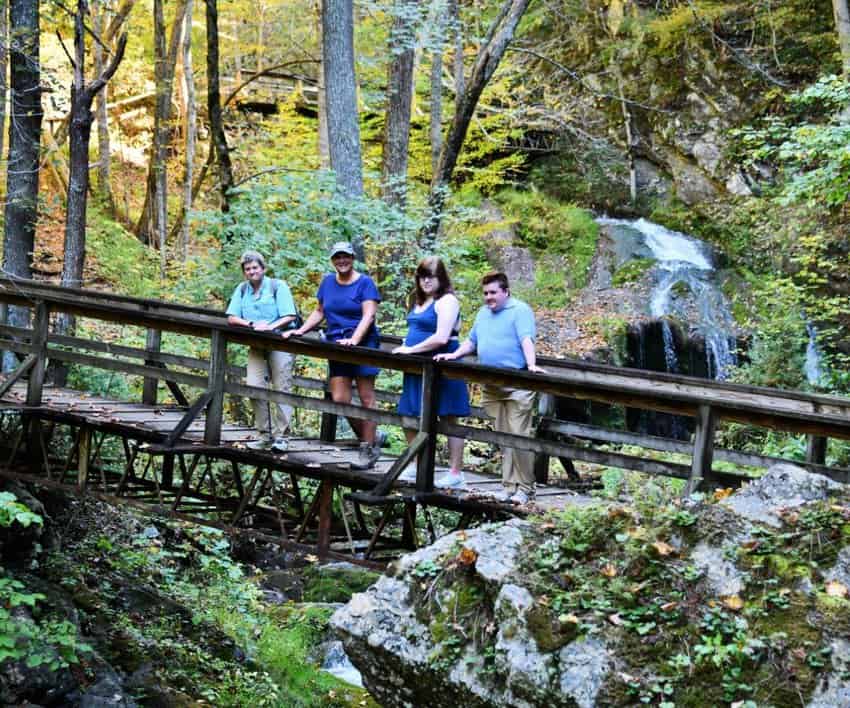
[190, 130]
[21, 211]
[842, 25]
[341, 92]
[396, 139]
[104, 186]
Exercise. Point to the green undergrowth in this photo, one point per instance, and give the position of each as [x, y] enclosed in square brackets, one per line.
[169, 595]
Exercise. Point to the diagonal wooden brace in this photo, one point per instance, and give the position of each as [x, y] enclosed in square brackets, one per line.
[383, 487]
[190, 415]
[22, 368]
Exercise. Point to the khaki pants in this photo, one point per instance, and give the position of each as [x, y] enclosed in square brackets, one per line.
[273, 367]
[512, 409]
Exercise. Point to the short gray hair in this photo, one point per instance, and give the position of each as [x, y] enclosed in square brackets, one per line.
[250, 257]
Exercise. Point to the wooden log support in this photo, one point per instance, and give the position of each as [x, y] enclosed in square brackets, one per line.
[417, 444]
[35, 384]
[215, 386]
[428, 426]
[327, 432]
[703, 454]
[153, 342]
[15, 375]
[326, 499]
[83, 457]
[816, 449]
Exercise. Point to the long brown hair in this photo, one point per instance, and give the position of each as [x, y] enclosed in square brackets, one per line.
[431, 265]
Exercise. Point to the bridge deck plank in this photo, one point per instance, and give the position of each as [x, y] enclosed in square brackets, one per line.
[313, 455]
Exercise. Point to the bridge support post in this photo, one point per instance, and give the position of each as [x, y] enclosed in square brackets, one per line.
[215, 386]
[326, 502]
[327, 430]
[153, 343]
[816, 449]
[83, 453]
[703, 454]
[428, 425]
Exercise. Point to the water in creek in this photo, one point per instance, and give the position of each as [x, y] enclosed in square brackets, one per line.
[685, 289]
[337, 663]
[813, 366]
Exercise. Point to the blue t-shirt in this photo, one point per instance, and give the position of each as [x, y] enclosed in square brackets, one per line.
[498, 336]
[343, 305]
[263, 306]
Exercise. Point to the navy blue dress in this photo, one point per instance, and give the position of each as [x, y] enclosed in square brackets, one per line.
[452, 396]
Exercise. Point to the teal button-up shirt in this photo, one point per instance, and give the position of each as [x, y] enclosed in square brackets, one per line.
[263, 306]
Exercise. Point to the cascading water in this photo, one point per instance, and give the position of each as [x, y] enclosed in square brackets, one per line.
[684, 263]
[813, 366]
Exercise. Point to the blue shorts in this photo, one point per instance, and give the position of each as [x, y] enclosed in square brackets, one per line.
[339, 368]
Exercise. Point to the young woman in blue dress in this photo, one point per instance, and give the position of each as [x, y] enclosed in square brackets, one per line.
[433, 324]
[348, 302]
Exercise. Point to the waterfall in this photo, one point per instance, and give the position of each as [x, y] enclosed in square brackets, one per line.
[813, 367]
[685, 262]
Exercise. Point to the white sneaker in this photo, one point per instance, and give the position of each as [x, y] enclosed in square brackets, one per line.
[451, 480]
[408, 474]
[519, 497]
[259, 444]
[280, 444]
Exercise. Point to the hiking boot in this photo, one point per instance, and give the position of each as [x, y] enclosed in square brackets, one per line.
[280, 444]
[367, 456]
[408, 474]
[263, 443]
[451, 480]
[519, 497]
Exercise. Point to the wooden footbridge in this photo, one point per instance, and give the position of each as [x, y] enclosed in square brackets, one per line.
[185, 460]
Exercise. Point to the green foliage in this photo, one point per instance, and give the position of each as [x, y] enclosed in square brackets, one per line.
[675, 28]
[12, 511]
[632, 271]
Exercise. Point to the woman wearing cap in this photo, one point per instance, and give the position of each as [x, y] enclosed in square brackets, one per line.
[348, 301]
[433, 323]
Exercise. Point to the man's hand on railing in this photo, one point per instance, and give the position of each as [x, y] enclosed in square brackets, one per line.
[534, 369]
[263, 327]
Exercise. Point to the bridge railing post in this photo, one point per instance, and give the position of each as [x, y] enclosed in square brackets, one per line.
[703, 455]
[428, 425]
[215, 385]
[153, 343]
[35, 384]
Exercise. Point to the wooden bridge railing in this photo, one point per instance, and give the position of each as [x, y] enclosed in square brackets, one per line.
[708, 402]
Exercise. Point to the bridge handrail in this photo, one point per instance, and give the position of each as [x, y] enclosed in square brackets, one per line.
[707, 401]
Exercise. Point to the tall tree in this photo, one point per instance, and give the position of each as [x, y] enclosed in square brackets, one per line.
[324, 150]
[490, 53]
[435, 127]
[341, 96]
[842, 25]
[190, 129]
[396, 140]
[25, 117]
[104, 186]
[152, 227]
[4, 67]
[218, 137]
[79, 139]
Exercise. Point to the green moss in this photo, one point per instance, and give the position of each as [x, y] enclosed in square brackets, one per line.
[336, 584]
[631, 271]
[550, 632]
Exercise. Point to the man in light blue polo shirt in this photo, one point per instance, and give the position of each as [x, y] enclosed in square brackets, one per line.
[265, 304]
[503, 335]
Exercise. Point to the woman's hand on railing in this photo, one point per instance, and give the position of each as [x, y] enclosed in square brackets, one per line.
[290, 333]
[402, 349]
[447, 356]
[347, 342]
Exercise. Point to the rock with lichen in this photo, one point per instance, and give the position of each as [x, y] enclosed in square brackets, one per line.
[684, 603]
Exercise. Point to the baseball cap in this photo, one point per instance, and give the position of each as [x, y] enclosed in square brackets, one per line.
[342, 247]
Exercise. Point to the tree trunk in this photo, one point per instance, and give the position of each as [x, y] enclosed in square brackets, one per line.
[436, 109]
[190, 130]
[219, 139]
[79, 138]
[324, 150]
[396, 138]
[21, 210]
[341, 93]
[489, 55]
[4, 69]
[842, 24]
[151, 228]
[104, 186]
[457, 29]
